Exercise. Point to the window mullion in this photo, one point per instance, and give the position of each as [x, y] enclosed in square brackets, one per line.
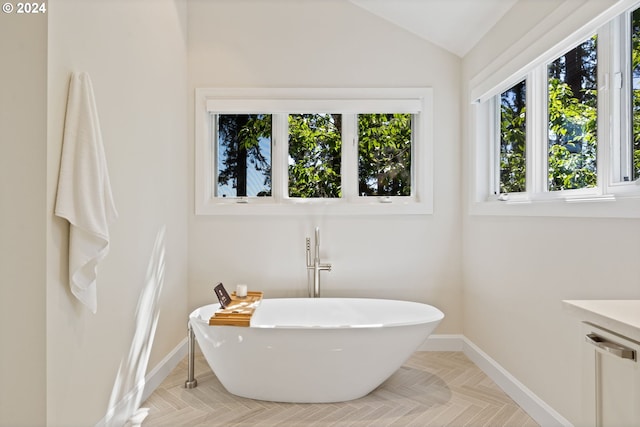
[280, 158]
[494, 158]
[608, 107]
[211, 155]
[349, 166]
[622, 103]
[537, 125]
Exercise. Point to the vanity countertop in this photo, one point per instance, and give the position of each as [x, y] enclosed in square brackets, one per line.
[619, 316]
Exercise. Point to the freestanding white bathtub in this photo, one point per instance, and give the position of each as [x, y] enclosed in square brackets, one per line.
[314, 350]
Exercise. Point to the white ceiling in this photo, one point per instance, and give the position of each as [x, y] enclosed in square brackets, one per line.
[456, 25]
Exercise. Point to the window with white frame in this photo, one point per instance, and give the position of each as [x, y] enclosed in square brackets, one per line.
[567, 127]
[313, 150]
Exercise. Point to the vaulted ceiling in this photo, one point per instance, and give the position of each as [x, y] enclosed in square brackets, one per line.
[455, 25]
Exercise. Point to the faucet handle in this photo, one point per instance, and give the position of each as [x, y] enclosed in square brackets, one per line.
[326, 267]
[308, 252]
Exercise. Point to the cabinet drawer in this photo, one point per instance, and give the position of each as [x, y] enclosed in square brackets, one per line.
[611, 393]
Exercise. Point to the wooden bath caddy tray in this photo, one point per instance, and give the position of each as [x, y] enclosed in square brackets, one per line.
[238, 312]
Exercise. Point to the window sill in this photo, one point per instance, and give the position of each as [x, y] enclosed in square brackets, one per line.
[597, 206]
[377, 206]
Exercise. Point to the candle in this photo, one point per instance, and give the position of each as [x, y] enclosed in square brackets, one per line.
[241, 291]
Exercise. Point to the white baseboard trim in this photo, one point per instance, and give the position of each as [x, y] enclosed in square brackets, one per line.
[162, 370]
[151, 381]
[542, 413]
[443, 342]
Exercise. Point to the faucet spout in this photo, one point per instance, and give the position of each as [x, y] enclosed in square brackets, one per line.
[316, 266]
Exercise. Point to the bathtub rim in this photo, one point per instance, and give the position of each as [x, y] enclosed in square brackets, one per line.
[436, 315]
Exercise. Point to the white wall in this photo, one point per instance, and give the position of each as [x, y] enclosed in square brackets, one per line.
[303, 43]
[518, 269]
[135, 53]
[23, 142]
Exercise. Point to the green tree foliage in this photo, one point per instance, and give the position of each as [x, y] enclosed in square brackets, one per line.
[384, 160]
[513, 139]
[315, 145]
[572, 113]
[239, 137]
[315, 148]
[572, 151]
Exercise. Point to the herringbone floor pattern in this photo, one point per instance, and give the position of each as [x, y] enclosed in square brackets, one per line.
[431, 389]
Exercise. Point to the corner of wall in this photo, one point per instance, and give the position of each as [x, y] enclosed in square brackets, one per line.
[23, 118]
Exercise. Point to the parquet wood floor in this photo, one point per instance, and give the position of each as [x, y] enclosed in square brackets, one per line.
[432, 389]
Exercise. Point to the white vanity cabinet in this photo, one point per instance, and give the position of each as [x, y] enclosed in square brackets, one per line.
[611, 376]
[610, 347]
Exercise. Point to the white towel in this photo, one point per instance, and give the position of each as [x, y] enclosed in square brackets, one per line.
[84, 192]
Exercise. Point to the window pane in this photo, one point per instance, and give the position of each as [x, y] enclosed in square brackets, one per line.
[635, 75]
[513, 139]
[315, 145]
[384, 154]
[243, 155]
[572, 110]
